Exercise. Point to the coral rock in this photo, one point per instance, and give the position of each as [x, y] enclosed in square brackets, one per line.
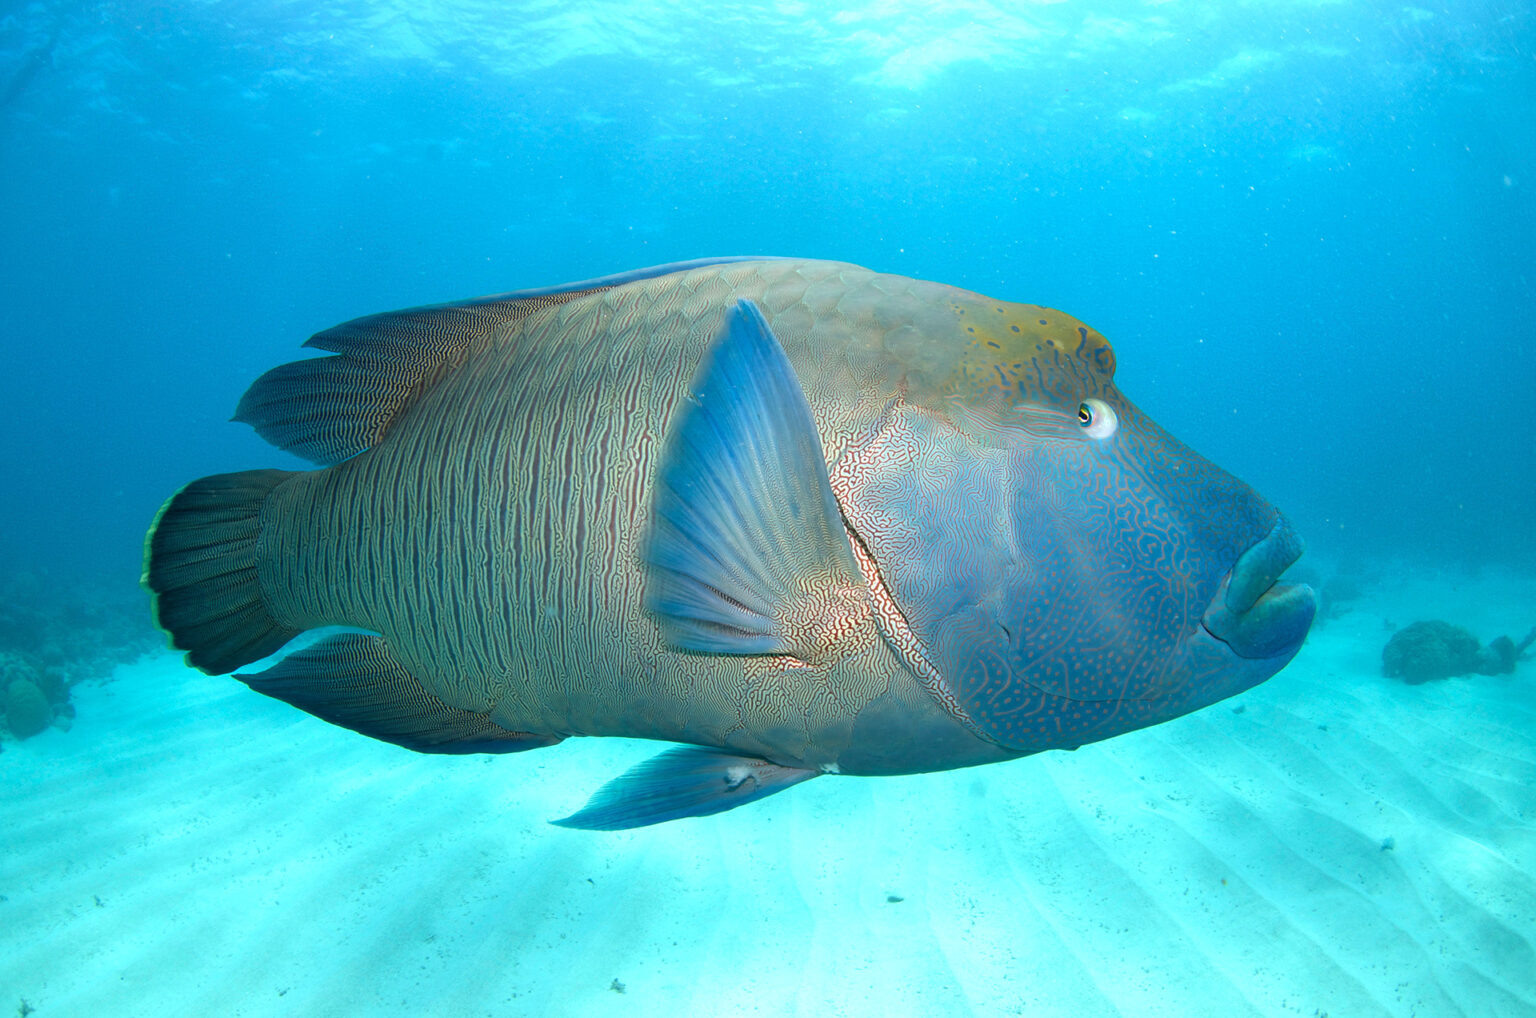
[1430, 650]
[26, 709]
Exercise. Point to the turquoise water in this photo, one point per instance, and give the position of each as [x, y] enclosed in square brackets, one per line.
[1308, 228]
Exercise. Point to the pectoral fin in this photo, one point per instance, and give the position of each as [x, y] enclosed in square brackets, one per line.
[690, 781]
[747, 552]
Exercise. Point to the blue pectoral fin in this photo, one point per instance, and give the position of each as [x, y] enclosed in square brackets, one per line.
[744, 521]
[690, 781]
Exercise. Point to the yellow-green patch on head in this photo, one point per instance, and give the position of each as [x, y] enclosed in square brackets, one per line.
[1024, 353]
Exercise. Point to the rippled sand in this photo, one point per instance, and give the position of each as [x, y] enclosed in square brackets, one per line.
[1332, 843]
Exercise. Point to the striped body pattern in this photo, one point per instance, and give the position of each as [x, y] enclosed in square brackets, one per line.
[804, 516]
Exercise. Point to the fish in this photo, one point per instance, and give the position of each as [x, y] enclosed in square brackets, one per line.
[798, 517]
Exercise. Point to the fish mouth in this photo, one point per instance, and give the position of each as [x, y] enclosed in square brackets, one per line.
[1254, 614]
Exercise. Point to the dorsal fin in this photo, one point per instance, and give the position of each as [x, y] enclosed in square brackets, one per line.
[327, 409]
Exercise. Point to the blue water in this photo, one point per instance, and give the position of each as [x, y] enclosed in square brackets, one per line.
[1309, 229]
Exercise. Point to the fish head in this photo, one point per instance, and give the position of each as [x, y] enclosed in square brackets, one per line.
[1057, 566]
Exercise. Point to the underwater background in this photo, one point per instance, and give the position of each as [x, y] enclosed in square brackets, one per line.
[1309, 230]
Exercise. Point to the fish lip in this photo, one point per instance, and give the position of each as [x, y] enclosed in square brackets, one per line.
[1259, 568]
[1254, 614]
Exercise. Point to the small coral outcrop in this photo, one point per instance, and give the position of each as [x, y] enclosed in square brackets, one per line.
[1429, 650]
[26, 709]
[56, 632]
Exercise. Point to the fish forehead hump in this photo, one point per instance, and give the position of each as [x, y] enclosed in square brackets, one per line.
[853, 335]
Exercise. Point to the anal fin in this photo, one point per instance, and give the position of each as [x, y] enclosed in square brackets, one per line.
[353, 680]
[689, 781]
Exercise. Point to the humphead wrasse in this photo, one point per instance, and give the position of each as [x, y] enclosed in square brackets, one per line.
[803, 517]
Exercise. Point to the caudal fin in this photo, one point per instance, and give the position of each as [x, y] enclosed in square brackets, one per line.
[200, 567]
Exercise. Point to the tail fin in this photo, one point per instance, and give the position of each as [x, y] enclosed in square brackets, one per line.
[200, 567]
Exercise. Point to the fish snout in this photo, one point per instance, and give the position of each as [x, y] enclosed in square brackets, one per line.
[1254, 614]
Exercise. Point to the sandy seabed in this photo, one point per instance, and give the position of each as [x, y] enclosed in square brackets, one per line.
[1332, 843]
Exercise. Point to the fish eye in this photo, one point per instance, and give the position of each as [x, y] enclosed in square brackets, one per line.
[1097, 418]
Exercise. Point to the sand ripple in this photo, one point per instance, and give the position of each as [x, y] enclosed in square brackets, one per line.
[1342, 846]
